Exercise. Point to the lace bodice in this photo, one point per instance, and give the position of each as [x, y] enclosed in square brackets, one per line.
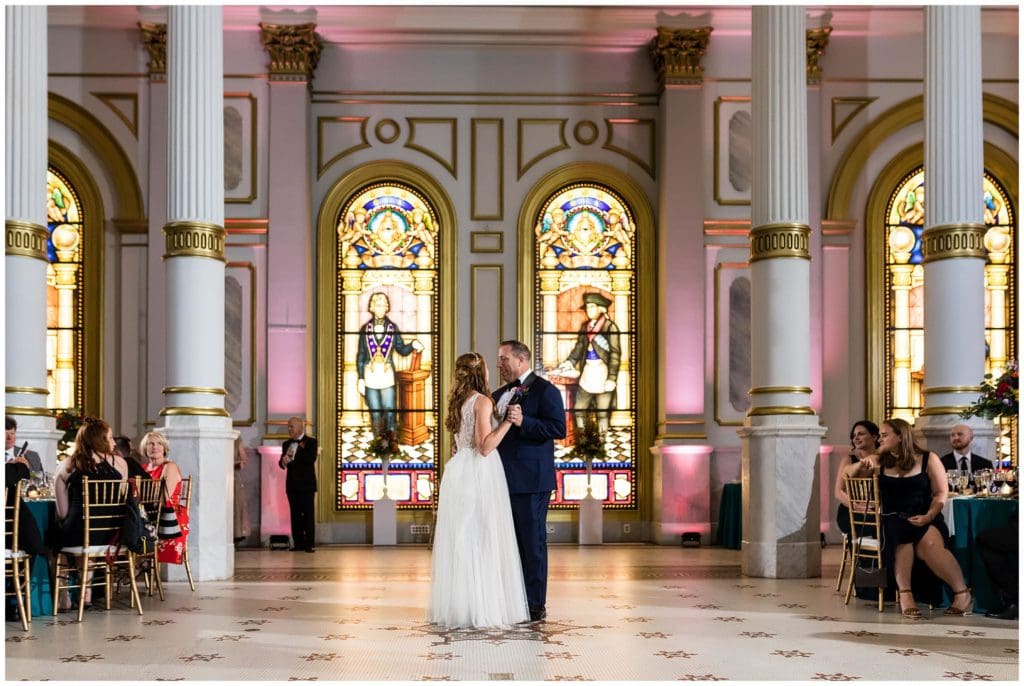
[466, 438]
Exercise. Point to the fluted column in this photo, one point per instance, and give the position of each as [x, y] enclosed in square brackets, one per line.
[196, 423]
[953, 239]
[681, 475]
[781, 435]
[25, 226]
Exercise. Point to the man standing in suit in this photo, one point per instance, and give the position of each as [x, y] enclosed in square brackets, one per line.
[298, 458]
[17, 453]
[537, 413]
[960, 438]
[596, 358]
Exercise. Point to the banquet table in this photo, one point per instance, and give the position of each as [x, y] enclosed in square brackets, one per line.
[967, 517]
[44, 511]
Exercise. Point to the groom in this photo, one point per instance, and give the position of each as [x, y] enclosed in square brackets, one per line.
[527, 452]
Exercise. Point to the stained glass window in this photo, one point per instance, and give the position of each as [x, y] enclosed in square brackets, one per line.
[585, 337]
[904, 290]
[64, 294]
[387, 309]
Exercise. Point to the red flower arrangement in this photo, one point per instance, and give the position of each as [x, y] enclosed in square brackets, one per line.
[999, 397]
[69, 421]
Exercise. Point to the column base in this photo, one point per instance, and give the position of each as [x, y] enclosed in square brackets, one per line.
[933, 430]
[781, 497]
[203, 448]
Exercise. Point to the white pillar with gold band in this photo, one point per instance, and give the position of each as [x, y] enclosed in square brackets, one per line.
[953, 240]
[25, 226]
[195, 421]
[781, 435]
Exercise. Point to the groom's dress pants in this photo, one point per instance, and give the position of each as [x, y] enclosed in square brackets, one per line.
[530, 517]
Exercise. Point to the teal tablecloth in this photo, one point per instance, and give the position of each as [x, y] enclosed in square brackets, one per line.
[730, 517]
[44, 512]
[973, 516]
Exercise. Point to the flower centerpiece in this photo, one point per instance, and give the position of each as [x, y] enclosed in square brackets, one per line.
[589, 445]
[384, 445]
[999, 400]
[69, 421]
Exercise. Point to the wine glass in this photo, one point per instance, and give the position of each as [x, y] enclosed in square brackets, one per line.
[963, 477]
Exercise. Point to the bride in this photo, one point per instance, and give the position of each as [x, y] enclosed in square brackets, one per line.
[476, 577]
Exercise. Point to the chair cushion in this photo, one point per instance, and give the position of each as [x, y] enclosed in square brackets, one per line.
[91, 550]
[869, 542]
[14, 554]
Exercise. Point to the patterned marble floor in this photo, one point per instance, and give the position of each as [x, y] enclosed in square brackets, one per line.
[624, 612]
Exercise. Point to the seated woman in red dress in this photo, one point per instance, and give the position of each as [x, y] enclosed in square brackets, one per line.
[155, 447]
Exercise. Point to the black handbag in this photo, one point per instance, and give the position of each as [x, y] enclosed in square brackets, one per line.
[871, 577]
[168, 527]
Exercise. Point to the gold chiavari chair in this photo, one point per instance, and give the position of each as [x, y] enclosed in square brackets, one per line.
[103, 509]
[150, 494]
[185, 498]
[865, 528]
[845, 561]
[16, 560]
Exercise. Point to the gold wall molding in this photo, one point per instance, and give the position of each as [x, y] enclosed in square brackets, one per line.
[387, 131]
[361, 141]
[245, 225]
[778, 389]
[717, 147]
[646, 164]
[131, 117]
[487, 242]
[726, 227]
[998, 163]
[778, 409]
[476, 271]
[953, 240]
[995, 110]
[28, 390]
[294, 50]
[585, 132]
[844, 110]
[677, 54]
[952, 389]
[154, 39]
[522, 125]
[201, 411]
[194, 239]
[717, 321]
[479, 98]
[325, 372]
[206, 390]
[475, 126]
[129, 208]
[26, 239]
[253, 311]
[817, 42]
[785, 239]
[646, 291]
[254, 131]
[28, 411]
[450, 162]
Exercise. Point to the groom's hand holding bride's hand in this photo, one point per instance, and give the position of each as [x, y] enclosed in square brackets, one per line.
[515, 415]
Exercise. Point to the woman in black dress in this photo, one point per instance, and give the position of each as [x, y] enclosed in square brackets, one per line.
[864, 439]
[913, 488]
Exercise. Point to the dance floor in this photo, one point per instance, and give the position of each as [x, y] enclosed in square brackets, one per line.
[617, 612]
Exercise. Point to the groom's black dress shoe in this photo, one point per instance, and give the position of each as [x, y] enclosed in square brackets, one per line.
[1008, 612]
[537, 613]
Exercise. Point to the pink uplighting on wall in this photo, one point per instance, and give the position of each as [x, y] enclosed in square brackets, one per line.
[685, 503]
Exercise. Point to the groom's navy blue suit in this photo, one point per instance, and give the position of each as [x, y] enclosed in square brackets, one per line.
[528, 456]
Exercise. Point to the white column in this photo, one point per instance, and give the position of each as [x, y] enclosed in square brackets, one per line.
[25, 227]
[954, 250]
[196, 423]
[781, 435]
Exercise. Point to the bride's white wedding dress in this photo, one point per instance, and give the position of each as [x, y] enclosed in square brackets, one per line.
[476, 576]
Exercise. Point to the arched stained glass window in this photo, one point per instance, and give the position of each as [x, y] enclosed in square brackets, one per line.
[387, 342]
[64, 294]
[585, 332]
[904, 290]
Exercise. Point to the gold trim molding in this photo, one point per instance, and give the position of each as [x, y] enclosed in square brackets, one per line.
[474, 271]
[154, 39]
[28, 390]
[110, 100]
[770, 241]
[26, 239]
[952, 389]
[294, 50]
[486, 242]
[953, 240]
[778, 409]
[452, 163]
[208, 390]
[942, 409]
[521, 124]
[28, 411]
[201, 411]
[362, 144]
[499, 161]
[194, 239]
[779, 389]
[648, 164]
[677, 53]
[817, 42]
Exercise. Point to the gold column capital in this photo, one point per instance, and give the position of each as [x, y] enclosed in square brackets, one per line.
[817, 41]
[194, 239]
[785, 239]
[677, 53]
[154, 38]
[946, 241]
[294, 50]
[26, 239]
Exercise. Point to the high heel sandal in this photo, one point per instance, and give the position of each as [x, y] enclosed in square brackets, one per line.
[910, 612]
[954, 611]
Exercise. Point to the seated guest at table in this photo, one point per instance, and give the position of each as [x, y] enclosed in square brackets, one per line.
[960, 438]
[864, 439]
[999, 548]
[19, 452]
[29, 538]
[123, 447]
[913, 489]
[155, 447]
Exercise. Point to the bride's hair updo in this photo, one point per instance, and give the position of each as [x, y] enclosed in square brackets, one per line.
[469, 377]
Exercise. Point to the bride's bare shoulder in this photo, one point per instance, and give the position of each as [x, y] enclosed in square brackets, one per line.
[483, 403]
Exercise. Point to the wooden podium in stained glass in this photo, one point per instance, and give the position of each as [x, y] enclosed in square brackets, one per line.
[412, 395]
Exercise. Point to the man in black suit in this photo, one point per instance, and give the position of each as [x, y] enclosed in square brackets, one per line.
[999, 549]
[298, 458]
[15, 452]
[535, 408]
[962, 458]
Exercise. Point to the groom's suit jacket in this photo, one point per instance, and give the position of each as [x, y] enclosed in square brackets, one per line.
[528, 451]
